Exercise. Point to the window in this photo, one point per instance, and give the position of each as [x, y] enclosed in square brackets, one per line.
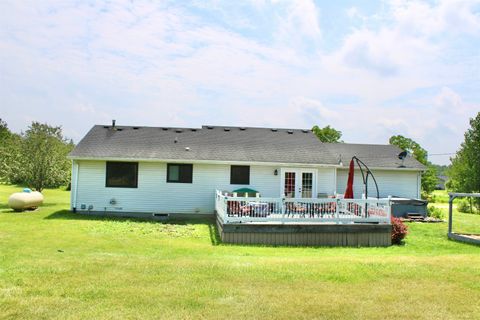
[122, 175]
[181, 173]
[240, 175]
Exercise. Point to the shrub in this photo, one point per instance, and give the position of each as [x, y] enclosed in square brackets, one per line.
[463, 205]
[434, 212]
[399, 230]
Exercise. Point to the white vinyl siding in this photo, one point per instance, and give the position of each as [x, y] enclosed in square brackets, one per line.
[154, 194]
[326, 181]
[390, 183]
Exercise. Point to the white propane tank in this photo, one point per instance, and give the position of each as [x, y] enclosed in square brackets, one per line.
[27, 199]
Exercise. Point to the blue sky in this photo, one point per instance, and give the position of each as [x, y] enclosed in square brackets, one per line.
[370, 69]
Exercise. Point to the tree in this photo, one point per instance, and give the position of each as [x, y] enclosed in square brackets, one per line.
[429, 176]
[465, 169]
[4, 131]
[411, 146]
[327, 134]
[9, 153]
[44, 151]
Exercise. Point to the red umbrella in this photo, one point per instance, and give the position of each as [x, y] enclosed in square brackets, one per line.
[349, 190]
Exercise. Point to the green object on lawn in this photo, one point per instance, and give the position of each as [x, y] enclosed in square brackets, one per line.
[246, 191]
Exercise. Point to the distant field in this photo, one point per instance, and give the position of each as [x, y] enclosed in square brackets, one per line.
[440, 196]
[58, 265]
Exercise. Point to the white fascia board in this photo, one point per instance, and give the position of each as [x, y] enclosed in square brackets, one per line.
[386, 169]
[259, 163]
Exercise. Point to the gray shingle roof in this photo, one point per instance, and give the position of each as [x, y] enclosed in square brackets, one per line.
[219, 143]
[373, 155]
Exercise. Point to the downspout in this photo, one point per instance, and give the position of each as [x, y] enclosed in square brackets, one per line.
[75, 185]
[419, 185]
[335, 181]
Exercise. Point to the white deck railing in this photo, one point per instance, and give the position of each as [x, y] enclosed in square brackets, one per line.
[282, 210]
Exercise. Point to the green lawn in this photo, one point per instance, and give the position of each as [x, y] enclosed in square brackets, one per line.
[55, 264]
[440, 196]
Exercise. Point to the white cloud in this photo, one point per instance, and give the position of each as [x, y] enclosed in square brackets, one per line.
[163, 64]
[429, 20]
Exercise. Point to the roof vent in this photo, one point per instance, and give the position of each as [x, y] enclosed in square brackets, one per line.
[226, 129]
[178, 130]
[118, 129]
[193, 130]
[136, 128]
[176, 140]
[164, 129]
[290, 131]
[106, 127]
[187, 148]
[210, 127]
[305, 131]
[242, 128]
[274, 130]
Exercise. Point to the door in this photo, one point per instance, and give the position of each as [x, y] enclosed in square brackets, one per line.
[298, 183]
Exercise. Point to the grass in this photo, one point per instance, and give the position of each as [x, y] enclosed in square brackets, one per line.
[440, 196]
[58, 265]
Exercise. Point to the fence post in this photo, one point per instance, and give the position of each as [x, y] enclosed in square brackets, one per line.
[337, 211]
[224, 209]
[389, 211]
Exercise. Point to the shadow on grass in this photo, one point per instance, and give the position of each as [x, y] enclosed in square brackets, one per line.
[6, 208]
[208, 221]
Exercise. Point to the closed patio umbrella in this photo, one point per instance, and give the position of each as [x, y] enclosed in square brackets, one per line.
[349, 190]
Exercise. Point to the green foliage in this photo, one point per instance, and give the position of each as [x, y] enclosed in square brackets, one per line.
[466, 205]
[438, 196]
[435, 212]
[441, 170]
[10, 147]
[45, 151]
[4, 131]
[429, 176]
[465, 170]
[36, 158]
[327, 134]
[411, 146]
[429, 179]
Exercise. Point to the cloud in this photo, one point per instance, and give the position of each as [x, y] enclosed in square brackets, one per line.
[262, 63]
[429, 20]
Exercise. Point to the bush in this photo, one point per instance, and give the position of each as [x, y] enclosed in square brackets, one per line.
[399, 230]
[463, 205]
[434, 212]
[431, 198]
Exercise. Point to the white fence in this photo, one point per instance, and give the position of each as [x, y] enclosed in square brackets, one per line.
[282, 210]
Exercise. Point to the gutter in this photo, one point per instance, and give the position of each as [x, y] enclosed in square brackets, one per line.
[260, 163]
[206, 161]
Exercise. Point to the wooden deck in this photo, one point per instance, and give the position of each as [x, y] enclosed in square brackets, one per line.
[301, 234]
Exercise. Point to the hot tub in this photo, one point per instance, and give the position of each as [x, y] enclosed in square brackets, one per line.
[403, 206]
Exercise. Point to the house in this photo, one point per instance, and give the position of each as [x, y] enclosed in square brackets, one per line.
[142, 171]
[442, 180]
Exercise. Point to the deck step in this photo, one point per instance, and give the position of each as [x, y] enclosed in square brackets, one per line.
[415, 216]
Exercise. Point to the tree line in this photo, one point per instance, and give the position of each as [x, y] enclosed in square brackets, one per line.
[463, 173]
[36, 158]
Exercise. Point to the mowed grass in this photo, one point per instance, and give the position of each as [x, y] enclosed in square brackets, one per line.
[59, 265]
